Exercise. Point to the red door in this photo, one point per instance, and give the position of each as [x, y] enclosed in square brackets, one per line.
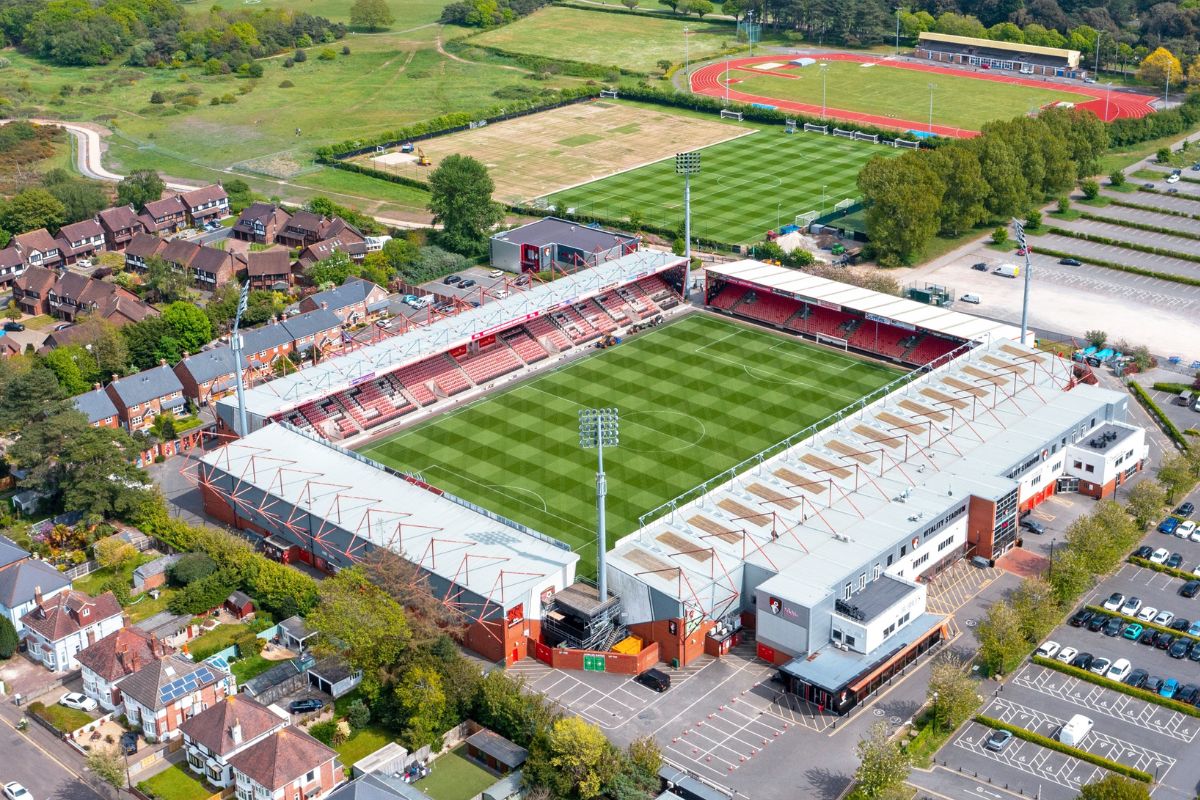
[516, 655]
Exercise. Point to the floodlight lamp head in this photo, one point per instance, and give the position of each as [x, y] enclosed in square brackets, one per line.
[687, 163]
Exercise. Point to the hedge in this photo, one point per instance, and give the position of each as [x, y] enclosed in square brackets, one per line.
[1141, 248]
[1163, 568]
[1153, 407]
[1099, 262]
[1153, 626]
[1074, 752]
[1141, 226]
[1117, 686]
[558, 66]
[1174, 388]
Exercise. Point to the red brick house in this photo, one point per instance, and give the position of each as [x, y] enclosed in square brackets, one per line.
[354, 300]
[120, 223]
[286, 765]
[140, 248]
[206, 204]
[207, 377]
[260, 222]
[302, 229]
[164, 216]
[142, 397]
[207, 267]
[38, 248]
[212, 268]
[66, 295]
[269, 269]
[80, 240]
[105, 664]
[225, 729]
[164, 694]
[98, 407]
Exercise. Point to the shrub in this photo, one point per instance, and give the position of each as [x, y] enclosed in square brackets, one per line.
[1000, 235]
[327, 54]
[345, 49]
[189, 101]
[1166, 422]
[288, 63]
[286, 85]
[1064, 205]
[1117, 178]
[358, 714]
[1057, 746]
[157, 98]
[300, 57]
[323, 732]
[191, 567]
[1090, 188]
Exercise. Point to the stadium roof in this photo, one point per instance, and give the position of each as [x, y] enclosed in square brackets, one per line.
[817, 507]
[891, 309]
[1072, 56]
[482, 553]
[337, 374]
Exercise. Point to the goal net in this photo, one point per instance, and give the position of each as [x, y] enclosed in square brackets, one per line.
[866, 137]
[843, 134]
[727, 114]
[810, 128]
[906, 143]
[789, 126]
[803, 221]
[842, 205]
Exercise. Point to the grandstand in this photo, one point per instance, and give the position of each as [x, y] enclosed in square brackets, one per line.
[344, 397]
[841, 315]
[1026, 59]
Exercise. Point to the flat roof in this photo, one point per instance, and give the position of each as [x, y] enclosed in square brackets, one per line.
[801, 285]
[482, 553]
[971, 41]
[339, 373]
[814, 508]
[552, 230]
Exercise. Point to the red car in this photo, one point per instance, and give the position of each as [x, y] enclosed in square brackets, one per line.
[1024, 251]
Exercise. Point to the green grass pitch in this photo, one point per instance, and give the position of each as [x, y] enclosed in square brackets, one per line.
[695, 398]
[745, 187]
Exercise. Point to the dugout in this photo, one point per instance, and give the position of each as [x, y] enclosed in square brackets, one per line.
[1026, 59]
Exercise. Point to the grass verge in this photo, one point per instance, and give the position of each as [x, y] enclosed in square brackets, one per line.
[1156, 411]
[174, 783]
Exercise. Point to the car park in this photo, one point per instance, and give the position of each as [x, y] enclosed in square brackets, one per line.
[80, 702]
[1160, 555]
[1185, 529]
[1168, 525]
[1133, 631]
[1081, 618]
[1169, 688]
[1131, 606]
[1114, 601]
[1175, 561]
[1083, 661]
[1033, 526]
[1147, 614]
[998, 741]
[1119, 670]
[1049, 649]
[1179, 648]
[1137, 678]
[15, 791]
[1113, 627]
[1067, 655]
[1145, 551]
[1100, 665]
[1190, 588]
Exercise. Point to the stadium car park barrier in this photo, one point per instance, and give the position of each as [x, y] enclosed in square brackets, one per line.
[734, 472]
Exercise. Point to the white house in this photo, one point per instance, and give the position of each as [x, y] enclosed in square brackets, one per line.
[105, 664]
[20, 576]
[58, 628]
[222, 731]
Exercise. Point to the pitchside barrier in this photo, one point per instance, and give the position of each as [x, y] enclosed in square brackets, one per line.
[810, 128]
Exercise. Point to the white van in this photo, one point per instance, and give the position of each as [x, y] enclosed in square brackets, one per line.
[1007, 270]
[1075, 730]
[970, 298]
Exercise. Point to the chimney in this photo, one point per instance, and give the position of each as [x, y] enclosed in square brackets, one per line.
[186, 354]
[96, 386]
[37, 599]
[162, 362]
[324, 306]
[235, 733]
[114, 377]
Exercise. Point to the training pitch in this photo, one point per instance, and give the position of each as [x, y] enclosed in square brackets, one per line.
[695, 398]
[745, 187]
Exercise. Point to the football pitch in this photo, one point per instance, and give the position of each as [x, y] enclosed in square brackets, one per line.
[745, 187]
[695, 398]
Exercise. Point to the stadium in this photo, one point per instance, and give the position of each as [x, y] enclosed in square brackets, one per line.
[796, 459]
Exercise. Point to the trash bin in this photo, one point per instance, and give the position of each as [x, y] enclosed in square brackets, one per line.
[674, 664]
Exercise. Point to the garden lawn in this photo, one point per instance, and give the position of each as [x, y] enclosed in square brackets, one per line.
[249, 667]
[633, 42]
[93, 583]
[362, 743]
[144, 606]
[901, 93]
[65, 719]
[696, 397]
[745, 187]
[455, 777]
[215, 640]
[175, 783]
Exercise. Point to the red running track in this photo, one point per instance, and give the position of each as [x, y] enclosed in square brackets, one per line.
[708, 80]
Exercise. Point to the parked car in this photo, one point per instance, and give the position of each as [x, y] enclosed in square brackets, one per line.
[1188, 693]
[1033, 526]
[1195, 537]
[306, 706]
[1190, 589]
[1194, 652]
[655, 679]
[1119, 670]
[1147, 185]
[1070, 262]
[1168, 525]
[1049, 649]
[1180, 624]
[1185, 529]
[1163, 640]
[1133, 631]
[1153, 684]
[496, 273]
[1175, 561]
[1185, 510]
[1067, 655]
[450, 280]
[1098, 622]
[1172, 179]
[1081, 618]
[15, 327]
[466, 284]
[1100, 665]
[78, 701]
[1024, 251]
[970, 298]
[1160, 555]
[1194, 629]
[998, 741]
[1145, 551]
[1147, 614]
[129, 742]
[1148, 636]
[1137, 678]
[1113, 627]
[1083, 660]
[15, 791]
[1131, 606]
[1169, 688]
[980, 265]
[1179, 648]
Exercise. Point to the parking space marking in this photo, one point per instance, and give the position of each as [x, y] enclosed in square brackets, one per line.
[1129, 710]
[728, 737]
[1029, 758]
[955, 587]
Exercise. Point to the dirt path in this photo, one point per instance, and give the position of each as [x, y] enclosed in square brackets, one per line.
[452, 57]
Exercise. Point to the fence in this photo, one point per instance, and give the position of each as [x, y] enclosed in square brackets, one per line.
[86, 568]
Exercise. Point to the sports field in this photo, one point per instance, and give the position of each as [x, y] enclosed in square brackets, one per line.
[628, 41]
[900, 93]
[695, 398]
[745, 187]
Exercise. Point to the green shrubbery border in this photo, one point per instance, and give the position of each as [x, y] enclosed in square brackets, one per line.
[1163, 568]
[1151, 625]
[1099, 262]
[1116, 686]
[1074, 752]
[1153, 407]
[1141, 226]
[1174, 388]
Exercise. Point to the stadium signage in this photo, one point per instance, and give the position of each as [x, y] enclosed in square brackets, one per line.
[504, 325]
[827, 304]
[888, 321]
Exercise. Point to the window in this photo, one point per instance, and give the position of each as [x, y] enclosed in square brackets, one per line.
[862, 581]
[849, 590]
[889, 630]
[889, 561]
[903, 550]
[904, 618]
[849, 640]
[918, 562]
[876, 571]
[837, 635]
[1077, 464]
[135, 420]
[1089, 468]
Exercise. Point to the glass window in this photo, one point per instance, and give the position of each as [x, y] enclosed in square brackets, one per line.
[875, 572]
[862, 581]
[849, 640]
[849, 590]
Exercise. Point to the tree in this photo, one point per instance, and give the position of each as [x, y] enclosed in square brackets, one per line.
[1163, 155]
[113, 552]
[150, 341]
[902, 197]
[28, 396]
[1064, 204]
[333, 270]
[157, 98]
[108, 765]
[1176, 476]
[1096, 338]
[572, 759]
[366, 623]
[81, 199]
[373, 15]
[190, 325]
[1001, 643]
[1160, 66]
[13, 311]
[1145, 501]
[1116, 178]
[962, 207]
[1068, 574]
[1036, 607]
[1033, 220]
[501, 704]
[32, 209]
[167, 283]
[1114, 787]
[358, 714]
[422, 703]
[200, 597]
[103, 343]
[953, 694]
[460, 197]
[1000, 236]
[883, 766]
[140, 187]
[1090, 188]
[64, 362]
[8, 638]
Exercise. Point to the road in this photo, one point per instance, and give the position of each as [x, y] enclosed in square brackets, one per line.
[35, 760]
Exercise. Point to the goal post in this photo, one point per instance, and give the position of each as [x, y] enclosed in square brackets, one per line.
[811, 128]
[727, 114]
[803, 221]
[906, 143]
[789, 126]
[609, 93]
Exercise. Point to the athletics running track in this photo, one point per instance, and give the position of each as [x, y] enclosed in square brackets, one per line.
[709, 80]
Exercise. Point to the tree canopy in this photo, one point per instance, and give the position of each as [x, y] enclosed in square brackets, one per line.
[373, 15]
[368, 625]
[460, 197]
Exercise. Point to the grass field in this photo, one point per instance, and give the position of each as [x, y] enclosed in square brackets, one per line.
[407, 13]
[632, 42]
[455, 777]
[695, 398]
[902, 93]
[744, 188]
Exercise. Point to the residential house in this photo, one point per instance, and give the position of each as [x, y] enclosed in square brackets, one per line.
[32, 288]
[304, 228]
[142, 397]
[9, 348]
[179, 253]
[38, 248]
[164, 216]
[259, 222]
[213, 268]
[21, 577]
[120, 223]
[354, 300]
[319, 251]
[58, 627]
[11, 265]
[106, 663]
[98, 407]
[66, 295]
[164, 694]
[206, 204]
[80, 240]
[263, 345]
[286, 765]
[269, 269]
[140, 248]
[319, 329]
[222, 731]
[209, 376]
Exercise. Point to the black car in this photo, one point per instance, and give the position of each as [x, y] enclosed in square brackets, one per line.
[467, 284]
[1080, 618]
[1147, 185]
[306, 706]
[1179, 648]
[1070, 262]
[1137, 678]
[1175, 561]
[1190, 589]
[1148, 636]
[1153, 684]
[1163, 640]
[1188, 693]
[1033, 526]
[1180, 624]
[450, 280]
[1114, 627]
[1145, 551]
[1098, 622]
[981, 266]
[129, 742]
[655, 679]
[1194, 653]
[13, 326]
[1185, 510]
[1083, 661]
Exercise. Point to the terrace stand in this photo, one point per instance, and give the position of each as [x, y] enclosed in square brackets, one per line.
[578, 620]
